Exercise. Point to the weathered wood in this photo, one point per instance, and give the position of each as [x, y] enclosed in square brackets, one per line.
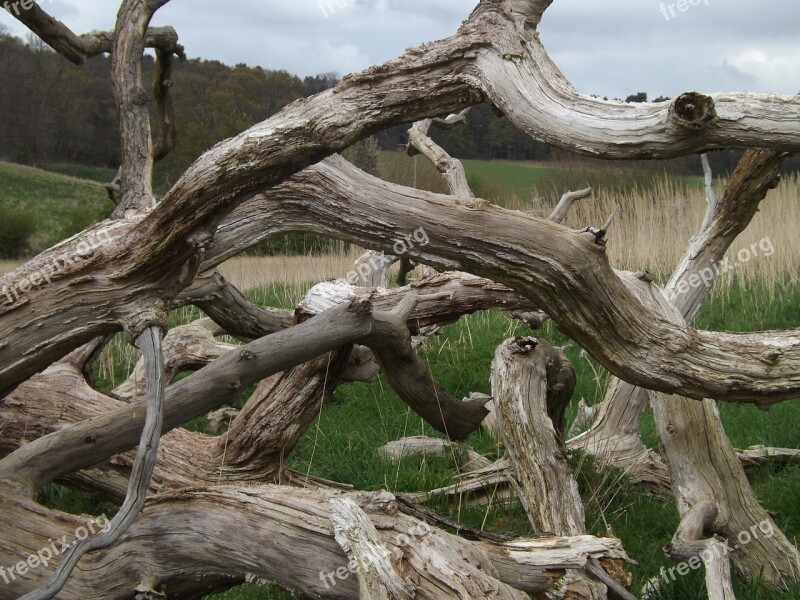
[451, 169]
[234, 313]
[466, 459]
[371, 560]
[545, 484]
[260, 183]
[78, 48]
[761, 455]
[564, 205]
[66, 450]
[613, 438]
[191, 542]
[421, 84]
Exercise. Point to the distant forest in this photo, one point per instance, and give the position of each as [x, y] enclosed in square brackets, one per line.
[55, 112]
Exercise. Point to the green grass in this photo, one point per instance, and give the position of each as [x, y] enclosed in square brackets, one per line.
[97, 174]
[342, 443]
[506, 182]
[62, 205]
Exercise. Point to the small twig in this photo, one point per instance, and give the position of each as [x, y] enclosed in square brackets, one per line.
[611, 218]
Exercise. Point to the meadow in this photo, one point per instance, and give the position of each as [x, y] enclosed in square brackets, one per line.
[659, 215]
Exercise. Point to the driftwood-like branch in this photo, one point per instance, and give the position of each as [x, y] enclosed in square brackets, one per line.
[64, 451]
[481, 485]
[254, 449]
[711, 193]
[518, 77]
[639, 344]
[220, 382]
[409, 377]
[191, 543]
[693, 361]
[689, 547]
[760, 455]
[451, 169]
[372, 269]
[614, 438]
[136, 154]
[229, 309]
[544, 482]
[78, 48]
[466, 459]
[442, 299]
[167, 132]
[355, 533]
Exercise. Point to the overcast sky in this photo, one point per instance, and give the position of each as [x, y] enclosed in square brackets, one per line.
[609, 47]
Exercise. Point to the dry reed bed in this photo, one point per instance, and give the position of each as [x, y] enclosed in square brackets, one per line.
[651, 232]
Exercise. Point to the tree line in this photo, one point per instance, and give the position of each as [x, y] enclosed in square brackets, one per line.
[56, 112]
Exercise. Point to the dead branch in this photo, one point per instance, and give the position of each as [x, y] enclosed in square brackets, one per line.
[291, 543]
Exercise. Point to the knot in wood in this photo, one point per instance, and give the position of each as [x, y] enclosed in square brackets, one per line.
[599, 235]
[89, 440]
[247, 355]
[139, 97]
[671, 429]
[525, 344]
[360, 306]
[771, 356]
[693, 110]
[644, 276]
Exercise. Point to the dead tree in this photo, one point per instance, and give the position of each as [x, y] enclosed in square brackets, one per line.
[177, 526]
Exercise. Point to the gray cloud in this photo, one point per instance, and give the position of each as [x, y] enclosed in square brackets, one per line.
[611, 48]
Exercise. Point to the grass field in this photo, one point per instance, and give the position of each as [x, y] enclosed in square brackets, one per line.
[659, 215]
[62, 205]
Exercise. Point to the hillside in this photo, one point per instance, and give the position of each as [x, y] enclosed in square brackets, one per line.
[60, 205]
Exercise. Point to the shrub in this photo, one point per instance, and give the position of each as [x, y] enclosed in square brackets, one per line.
[16, 229]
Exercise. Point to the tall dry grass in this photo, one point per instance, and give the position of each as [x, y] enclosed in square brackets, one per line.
[650, 233]
[655, 225]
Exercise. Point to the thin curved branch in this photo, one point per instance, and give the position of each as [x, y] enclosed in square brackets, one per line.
[451, 169]
[561, 210]
[78, 48]
[150, 345]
